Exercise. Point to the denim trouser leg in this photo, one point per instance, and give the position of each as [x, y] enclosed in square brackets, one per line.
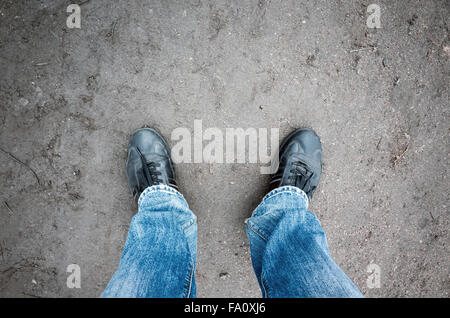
[159, 256]
[289, 250]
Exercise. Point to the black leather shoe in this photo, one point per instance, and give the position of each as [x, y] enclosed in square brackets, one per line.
[300, 162]
[149, 162]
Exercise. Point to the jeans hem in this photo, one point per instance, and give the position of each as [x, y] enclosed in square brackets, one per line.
[254, 222]
[288, 189]
[157, 188]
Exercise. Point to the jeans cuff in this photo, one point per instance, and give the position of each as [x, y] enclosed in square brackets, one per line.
[148, 193]
[291, 190]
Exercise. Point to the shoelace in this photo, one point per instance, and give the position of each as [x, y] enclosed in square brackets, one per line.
[150, 170]
[153, 173]
[301, 175]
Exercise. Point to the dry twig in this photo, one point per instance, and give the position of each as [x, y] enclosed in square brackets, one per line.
[22, 163]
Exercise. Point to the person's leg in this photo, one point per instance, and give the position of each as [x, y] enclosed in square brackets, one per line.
[288, 246]
[159, 256]
[158, 259]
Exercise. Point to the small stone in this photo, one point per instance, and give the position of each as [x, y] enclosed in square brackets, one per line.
[23, 101]
[447, 50]
[223, 275]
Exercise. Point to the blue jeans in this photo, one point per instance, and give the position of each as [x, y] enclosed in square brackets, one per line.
[288, 247]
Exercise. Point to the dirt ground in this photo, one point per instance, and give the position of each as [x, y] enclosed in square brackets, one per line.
[70, 99]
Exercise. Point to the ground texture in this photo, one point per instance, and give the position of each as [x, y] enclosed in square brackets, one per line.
[70, 98]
